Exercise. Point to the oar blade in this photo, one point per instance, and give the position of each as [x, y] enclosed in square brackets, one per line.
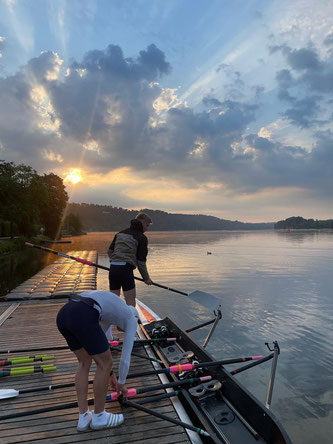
[8, 393]
[206, 299]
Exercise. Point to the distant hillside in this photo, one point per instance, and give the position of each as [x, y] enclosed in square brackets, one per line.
[297, 222]
[108, 218]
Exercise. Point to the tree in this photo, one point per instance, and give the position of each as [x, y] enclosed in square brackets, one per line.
[18, 204]
[51, 212]
[73, 224]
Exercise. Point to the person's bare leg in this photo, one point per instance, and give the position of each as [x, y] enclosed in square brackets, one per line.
[117, 292]
[130, 296]
[102, 375]
[81, 378]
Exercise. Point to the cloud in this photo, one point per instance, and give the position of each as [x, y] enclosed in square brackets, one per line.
[2, 45]
[108, 113]
[307, 84]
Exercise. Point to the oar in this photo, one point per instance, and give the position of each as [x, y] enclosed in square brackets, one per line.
[65, 347]
[201, 297]
[134, 392]
[165, 417]
[27, 350]
[24, 360]
[22, 366]
[188, 367]
[143, 341]
[26, 371]
[11, 393]
[253, 364]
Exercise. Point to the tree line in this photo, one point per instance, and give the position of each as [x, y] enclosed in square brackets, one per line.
[108, 218]
[298, 222]
[30, 202]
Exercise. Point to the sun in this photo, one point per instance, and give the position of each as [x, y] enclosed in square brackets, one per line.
[74, 176]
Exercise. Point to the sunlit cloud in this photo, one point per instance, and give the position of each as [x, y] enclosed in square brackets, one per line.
[74, 176]
[47, 120]
[2, 44]
[166, 100]
[92, 145]
[53, 157]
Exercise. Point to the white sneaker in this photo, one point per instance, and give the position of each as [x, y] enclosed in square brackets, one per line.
[112, 420]
[84, 422]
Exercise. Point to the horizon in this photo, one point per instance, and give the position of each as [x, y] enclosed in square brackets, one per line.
[194, 214]
[219, 108]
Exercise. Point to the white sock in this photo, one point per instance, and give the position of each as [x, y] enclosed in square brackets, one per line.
[100, 418]
[82, 415]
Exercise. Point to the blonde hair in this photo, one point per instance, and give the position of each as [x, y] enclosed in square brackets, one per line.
[144, 216]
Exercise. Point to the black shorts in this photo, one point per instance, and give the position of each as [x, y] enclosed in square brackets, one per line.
[121, 276]
[79, 324]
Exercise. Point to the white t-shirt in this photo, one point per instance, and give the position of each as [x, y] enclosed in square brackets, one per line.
[114, 311]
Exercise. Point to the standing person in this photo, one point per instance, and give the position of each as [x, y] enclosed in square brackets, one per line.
[83, 322]
[127, 251]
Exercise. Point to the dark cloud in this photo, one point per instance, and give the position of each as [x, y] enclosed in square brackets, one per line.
[329, 40]
[285, 81]
[210, 101]
[307, 84]
[303, 59]
[303, 112]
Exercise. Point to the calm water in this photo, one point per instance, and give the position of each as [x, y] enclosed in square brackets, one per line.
[272, 286]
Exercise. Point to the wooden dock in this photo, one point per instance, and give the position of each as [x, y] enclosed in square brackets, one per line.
[31, 324]
[59, 279]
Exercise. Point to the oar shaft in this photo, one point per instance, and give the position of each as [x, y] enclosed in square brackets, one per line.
[25, 360]
[143, 341]
[24, 367]
[138, 355]
[253, 364]
[133, 392]
[93, 264]
[165, 417]
[43, 410]
[27, 350]
[157, 397]
[188, 367]
[25, 371]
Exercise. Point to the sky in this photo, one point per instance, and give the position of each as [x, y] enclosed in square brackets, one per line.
[210, 107]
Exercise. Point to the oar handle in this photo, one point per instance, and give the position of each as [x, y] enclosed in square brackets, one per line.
[93, 264]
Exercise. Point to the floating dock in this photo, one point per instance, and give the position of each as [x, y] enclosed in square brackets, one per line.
[59, 279]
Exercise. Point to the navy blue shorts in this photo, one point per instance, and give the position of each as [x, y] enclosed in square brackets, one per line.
[79, 324]
[121, 276]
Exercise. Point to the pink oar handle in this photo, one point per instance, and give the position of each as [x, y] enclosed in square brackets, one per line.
[83, 261]
[254, 358]
[114, 396]
[205, 378]
[180, 368]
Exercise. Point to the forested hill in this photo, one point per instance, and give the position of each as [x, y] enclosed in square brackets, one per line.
[108, 218]
[297, 222]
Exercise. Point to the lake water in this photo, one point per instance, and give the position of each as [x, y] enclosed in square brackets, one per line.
[271, 286]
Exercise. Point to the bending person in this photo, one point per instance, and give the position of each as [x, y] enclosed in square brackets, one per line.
[83, 322]
[127, 251]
